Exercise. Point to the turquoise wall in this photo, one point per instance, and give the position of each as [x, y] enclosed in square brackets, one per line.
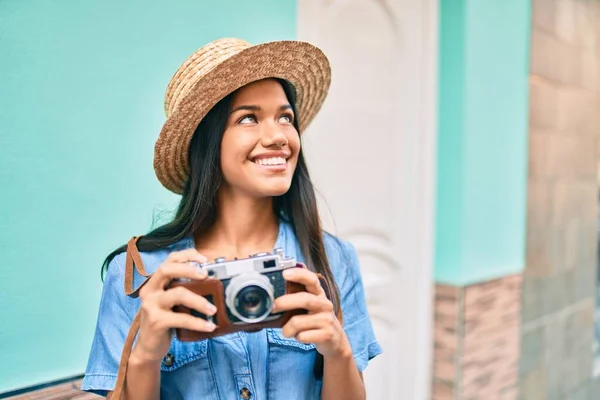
[482, 139]
[81, 104]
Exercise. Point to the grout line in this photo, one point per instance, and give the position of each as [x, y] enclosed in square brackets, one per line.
[536, 78]
[562, 313]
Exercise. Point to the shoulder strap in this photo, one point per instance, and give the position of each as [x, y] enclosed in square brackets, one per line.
[118, 392]
[132, 260]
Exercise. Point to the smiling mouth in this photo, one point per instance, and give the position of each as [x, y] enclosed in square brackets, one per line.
[273, 161]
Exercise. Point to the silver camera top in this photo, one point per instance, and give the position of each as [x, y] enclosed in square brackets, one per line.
[260, 262]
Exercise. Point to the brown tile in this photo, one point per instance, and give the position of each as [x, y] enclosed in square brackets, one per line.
[577, 109]
[444, 341]
[567, 22]
[532, 386]
[576, 22]
[544, 247]
[589, 69]
[514, 282]
[573, 199]
[573, 241]
[509, 393]
[444, 354]
[533, 302]
[543, 103]
[538, 153]
[554, 60]
[569, 156]
[442, 391]
[544, 15]
[445, 370]
[449, 308]
[488, 343]
[446, 291]
[562, 205]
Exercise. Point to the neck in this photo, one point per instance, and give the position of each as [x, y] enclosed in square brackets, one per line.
[244, 226]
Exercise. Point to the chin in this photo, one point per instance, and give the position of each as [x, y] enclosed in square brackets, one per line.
[273, 190]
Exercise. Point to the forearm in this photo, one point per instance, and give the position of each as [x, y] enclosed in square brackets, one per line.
[341, 379]
[143, 379]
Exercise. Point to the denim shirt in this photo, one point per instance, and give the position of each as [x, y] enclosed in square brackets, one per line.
[262, 365]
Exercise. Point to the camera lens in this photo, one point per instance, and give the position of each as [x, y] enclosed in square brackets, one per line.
[249, 297]
[252, 302]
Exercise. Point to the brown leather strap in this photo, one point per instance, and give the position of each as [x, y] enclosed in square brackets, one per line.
[119, 391]
[133, 260]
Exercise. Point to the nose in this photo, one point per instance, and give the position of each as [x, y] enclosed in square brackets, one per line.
[272, 135]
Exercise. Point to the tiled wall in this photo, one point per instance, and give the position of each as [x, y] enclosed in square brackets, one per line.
[559, 281]
[476, 340]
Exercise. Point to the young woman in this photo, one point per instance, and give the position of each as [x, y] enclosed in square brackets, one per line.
[231, 146]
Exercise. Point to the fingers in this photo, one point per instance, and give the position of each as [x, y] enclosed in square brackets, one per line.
[185, 297]
[302, 300]
[316, 336]
[171, 270]
[158, 310]
[301, 323]
[164, 320]
[308, 278]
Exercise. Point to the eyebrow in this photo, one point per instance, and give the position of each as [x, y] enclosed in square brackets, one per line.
[255, 108]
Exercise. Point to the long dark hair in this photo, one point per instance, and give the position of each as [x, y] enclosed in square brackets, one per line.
[197, 209]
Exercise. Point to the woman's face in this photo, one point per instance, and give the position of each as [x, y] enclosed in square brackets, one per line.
[260, 145]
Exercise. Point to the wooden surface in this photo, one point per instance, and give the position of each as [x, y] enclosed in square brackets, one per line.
[69, 390]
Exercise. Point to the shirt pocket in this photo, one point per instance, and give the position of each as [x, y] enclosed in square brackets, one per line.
[186, 372]
[291, 368]
[182, 353]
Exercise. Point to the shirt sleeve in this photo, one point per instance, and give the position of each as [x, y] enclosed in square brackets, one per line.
[115, 316]
[357, 322]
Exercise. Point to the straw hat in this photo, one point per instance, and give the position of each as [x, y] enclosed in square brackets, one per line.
[218, 69]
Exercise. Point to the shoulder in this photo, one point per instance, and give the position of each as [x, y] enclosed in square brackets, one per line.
[341, 255]
[337, 248]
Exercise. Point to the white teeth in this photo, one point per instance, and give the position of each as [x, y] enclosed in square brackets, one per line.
[271, 161]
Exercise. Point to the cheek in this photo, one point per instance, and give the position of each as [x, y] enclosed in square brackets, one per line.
[234, 152]
[293, 139]
[295, 145]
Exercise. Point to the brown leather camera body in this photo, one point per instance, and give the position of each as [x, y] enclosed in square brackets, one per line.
[212, 289]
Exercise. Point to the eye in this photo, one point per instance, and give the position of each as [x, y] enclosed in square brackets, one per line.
[286, 119]
[248, 119]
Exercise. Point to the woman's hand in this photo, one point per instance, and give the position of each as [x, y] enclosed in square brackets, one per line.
[320, 326]
[157, 318]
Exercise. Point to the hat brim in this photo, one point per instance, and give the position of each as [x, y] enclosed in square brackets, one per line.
[301, 64]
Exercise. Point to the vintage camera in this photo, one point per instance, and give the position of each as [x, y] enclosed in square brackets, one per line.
[251, 285]
[243, 290]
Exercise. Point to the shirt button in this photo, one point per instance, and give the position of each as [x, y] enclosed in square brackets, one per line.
[169, 360]
[245, 393]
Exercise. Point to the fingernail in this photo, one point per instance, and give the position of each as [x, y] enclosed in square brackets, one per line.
[210, 326]
[200, 271]
[288, 272]
[211, 308]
